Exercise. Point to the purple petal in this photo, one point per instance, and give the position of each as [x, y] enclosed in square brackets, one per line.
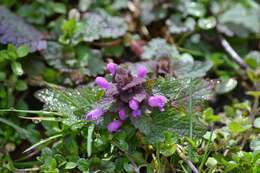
[136, 113]
[157, 101]
[133, 104]
[95, 114]
[111, 67]
[114, 126]
[122, 113]
[102, 82]
[142, 71]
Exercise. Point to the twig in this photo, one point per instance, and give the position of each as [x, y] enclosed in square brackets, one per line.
[189, 163]
[232, 53]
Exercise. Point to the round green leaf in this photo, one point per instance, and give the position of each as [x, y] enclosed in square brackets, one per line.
[196, 9]
[211, 162]
[257, 122]
[22, 51]
[207, 23]
[21, 85]
[17, 68]
[226, 86]
[70, 165]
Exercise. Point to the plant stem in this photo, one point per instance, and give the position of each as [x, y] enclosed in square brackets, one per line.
[189, 163]
[232, 53]
[190, 117]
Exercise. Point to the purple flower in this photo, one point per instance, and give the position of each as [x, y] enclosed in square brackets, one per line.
[157, 101]
[102, 82]
[133, 104]
[111, 67]
[114, 126]
[142, 71]
[136, 113]
[122, 113]
[95, 114]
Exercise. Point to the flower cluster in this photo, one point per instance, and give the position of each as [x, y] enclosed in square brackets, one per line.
[129, 94]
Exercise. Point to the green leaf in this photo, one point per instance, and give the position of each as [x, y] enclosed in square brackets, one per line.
[100, 25]
[209, 116]
[83, 164]
[207, 23]
[177, 26]
[186, 67]
[257, 122]
[253, 59]
[226, 85]
[248, 20]
[86, 60]
[22, 51]
[255, 144]
[71, 103]
[21, 85]
[58, 7]
[17, 68]
[70, 165]
[254, 93]
[168, 146]
[23, 132]
[239, 126]
[195, 9]
[18, 32]
[157, 123]
[159, 48]
[177, 89]
[211, 162]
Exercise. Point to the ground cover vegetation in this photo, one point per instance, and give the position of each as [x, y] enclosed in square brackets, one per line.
[138, 86]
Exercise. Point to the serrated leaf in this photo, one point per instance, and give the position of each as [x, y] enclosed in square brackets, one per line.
[177, 89]
[186, 67]
[157, 123]
[71, 103]
[159, 48]
[14, 30]
[99, 25]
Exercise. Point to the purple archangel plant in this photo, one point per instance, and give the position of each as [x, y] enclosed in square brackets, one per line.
[129, 94]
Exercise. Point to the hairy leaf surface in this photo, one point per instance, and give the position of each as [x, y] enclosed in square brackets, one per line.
[71, 103]
[98, 25]
[13, 29]
[157, 123]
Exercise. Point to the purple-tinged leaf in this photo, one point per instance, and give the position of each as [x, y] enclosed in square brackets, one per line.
[14, 30]
[140, 96]
[135, 82]
[111, 90]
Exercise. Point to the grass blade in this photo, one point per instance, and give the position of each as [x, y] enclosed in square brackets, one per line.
[89, 139]
[42, 142]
